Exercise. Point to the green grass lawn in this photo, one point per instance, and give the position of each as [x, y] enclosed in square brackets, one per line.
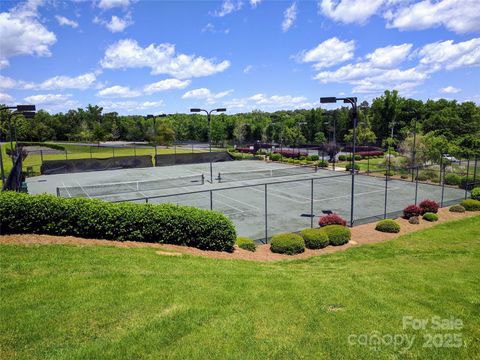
[64, 302]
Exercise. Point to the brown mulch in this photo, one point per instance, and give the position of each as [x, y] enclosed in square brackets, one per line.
[362, 234]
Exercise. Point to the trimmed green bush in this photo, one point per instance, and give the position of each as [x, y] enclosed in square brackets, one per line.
[471, 205]
[422, 177]
[467, 183]
[312, 157]
[323, 163]
[430, 216]
[457, 209]
[452, 179]
[246, 243]
[388, 226]
[342, 157]
[287, 243]
[475, 194]
[337, 234]
[348, 167]
[275, 157]
[314, 238]
[97, 219]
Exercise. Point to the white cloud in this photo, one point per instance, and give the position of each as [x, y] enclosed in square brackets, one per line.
[328, 53]
[265, 102]
[118, 92]
[63, 21]
[50, 99]
[448, 55]
[80, 82]
[212, 29]
[162, 59]
[389, 56]
[23, 34]
[117, 24]
[165, 85]
[460, 16]
[255, 3]
[247, 69]
[110, 4]
[350, 11]
[289, 17]
[228, 6]
[449, 90]
[205, 94]
[6, 99]
[130, 106]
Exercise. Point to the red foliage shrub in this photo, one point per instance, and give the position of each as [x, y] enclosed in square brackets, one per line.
[244, 150]
[332, 219]
[411, 210]
[429, 206]
[291, 153]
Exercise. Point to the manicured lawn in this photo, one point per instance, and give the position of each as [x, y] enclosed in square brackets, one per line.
[63, 302]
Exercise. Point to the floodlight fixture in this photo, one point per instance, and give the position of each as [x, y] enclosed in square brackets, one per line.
[195, 110]
[328, 100]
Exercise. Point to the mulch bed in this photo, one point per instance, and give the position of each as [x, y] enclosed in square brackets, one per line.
[362, 234]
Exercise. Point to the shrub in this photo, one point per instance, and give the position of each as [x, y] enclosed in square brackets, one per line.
[411, 210]
[287, 243]
[475, 194]
[452, 179]
[414, 220]
[337, 234]
[428, 205]
[348, 167]
[430, 216]
[467, 183]
[342, 157]
[312, 157]
[358, 157]
[471, 205]
[275, 157]
[246, 243]
[403, 176]
[331, 219]
[422, 177]
[314, 238]
[165, 223]
[388, 226]
[323, 163]
[457, 209]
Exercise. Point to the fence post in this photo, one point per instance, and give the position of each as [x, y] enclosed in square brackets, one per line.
[134, 151]
[41, 156]
[442, 177]
[211, 200]
[266, 216]
[466, 179]
[66, 156]
[113, 151]
[475, 170]
[416, 186]
[90, 147]
[386, 186]
[311, 203]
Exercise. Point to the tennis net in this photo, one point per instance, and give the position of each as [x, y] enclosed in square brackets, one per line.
[261, 174]
[127, 187]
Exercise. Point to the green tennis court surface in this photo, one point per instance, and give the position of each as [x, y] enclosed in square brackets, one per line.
[291, 192]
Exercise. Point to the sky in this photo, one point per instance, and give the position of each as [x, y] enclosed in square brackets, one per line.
[154, 57]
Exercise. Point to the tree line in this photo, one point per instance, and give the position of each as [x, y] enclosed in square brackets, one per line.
[388, 120]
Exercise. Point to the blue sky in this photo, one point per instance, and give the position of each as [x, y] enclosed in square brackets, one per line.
[149, 57]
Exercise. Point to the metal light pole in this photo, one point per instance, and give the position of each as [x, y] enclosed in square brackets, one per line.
[195, 110]
[352, 101]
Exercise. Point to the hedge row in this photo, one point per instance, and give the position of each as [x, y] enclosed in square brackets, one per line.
[165, 223]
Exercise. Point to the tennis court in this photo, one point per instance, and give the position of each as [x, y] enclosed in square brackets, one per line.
[261, 198]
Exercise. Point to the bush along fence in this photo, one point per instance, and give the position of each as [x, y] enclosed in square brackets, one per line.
[166, 223]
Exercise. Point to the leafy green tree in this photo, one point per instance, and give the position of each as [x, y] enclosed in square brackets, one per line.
[320, 138]
[165, 134]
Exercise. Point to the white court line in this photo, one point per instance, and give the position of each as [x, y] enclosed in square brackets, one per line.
[81, 187]
[65, 187]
